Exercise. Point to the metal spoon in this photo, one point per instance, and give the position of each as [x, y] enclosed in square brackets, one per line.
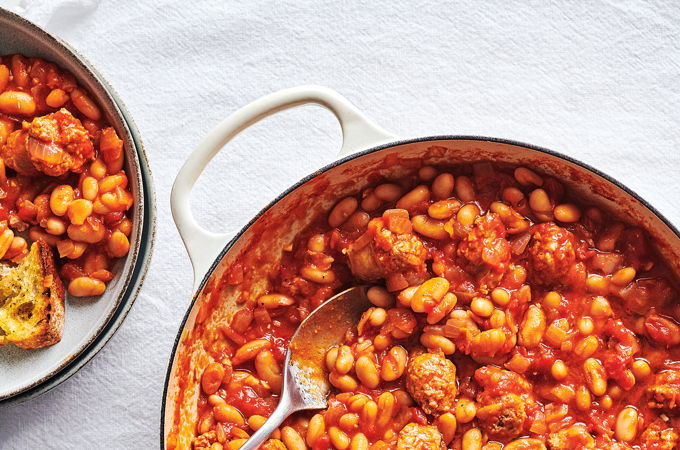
[305, 384]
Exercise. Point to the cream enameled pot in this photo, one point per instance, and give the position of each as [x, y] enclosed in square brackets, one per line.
[366, 149]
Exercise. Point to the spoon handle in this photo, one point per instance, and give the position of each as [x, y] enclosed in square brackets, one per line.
[283, 410]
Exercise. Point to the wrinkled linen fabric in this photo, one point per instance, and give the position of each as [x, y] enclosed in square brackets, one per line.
[595, 80]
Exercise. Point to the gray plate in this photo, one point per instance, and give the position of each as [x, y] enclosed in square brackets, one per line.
[90, 323]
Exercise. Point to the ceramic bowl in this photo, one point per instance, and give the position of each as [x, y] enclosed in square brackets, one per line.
[89, 322]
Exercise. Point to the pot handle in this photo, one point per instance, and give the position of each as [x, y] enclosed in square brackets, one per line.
[203, 246]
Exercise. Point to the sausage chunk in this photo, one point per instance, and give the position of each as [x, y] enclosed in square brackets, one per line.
[53, 144]
[485, 244]
[665, 392]
[552, 253]
[503, 417]
[431, 381]
[419, 437]
[496, 381]
[381, 251]
[660, 435]
[503, 402]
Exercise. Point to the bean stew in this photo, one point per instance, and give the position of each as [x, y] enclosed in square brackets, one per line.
[62, 176]
[507, 314]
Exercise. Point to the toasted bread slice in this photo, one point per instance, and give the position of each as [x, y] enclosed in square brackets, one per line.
[31, 300]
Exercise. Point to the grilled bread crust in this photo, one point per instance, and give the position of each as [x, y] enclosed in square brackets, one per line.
[34, 281]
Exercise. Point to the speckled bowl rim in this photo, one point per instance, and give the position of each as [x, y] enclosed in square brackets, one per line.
[141, 253]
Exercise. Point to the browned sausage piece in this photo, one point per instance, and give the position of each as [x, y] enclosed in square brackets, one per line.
[419, 437]
[431, 381]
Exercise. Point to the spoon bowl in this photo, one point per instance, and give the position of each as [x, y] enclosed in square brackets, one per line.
[305, 383]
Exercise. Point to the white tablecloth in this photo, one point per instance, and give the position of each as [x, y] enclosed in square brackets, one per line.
[598, 81]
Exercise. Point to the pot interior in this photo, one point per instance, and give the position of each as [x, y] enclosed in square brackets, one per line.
[259, 246]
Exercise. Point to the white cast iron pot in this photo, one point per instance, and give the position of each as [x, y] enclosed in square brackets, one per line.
[366, 149]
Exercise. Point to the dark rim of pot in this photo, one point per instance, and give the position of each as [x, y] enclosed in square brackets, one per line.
[455, 137]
